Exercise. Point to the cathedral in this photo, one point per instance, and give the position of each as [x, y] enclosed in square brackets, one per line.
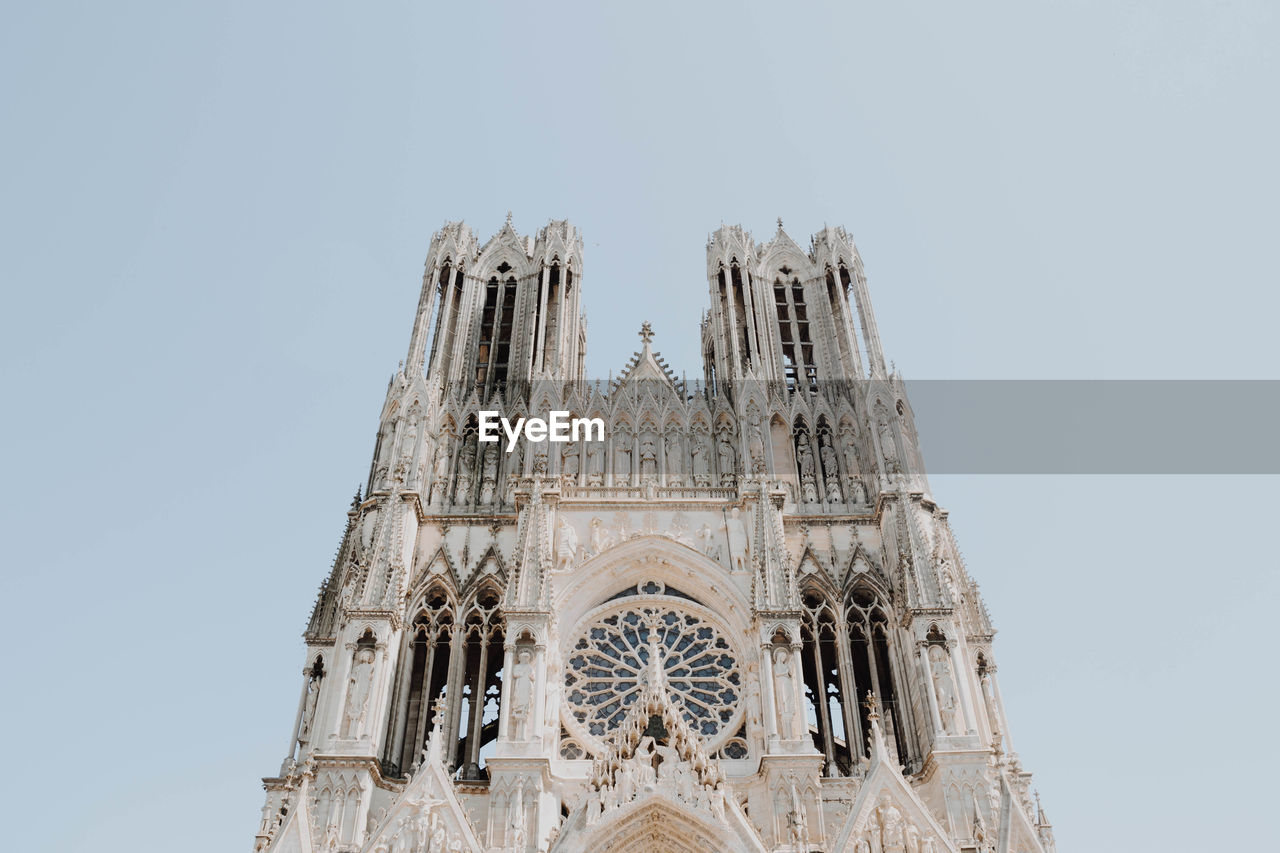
[733, 619]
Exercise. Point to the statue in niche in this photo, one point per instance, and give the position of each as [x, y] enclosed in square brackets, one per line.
[755, 446]
[466, 469]
[739, 551]
[569, 463]
[727, 458]
[850, 454]
[674, 454]
[368, 525]
[945, 690]
[648, 458]
[827, 452]
[409, 441]
[784, 686]
[309, 706]
[622, 460]
[808, 479]
[489, 477]
[357, 706]
[797, 819]
[595, 463]
[701, 464]
[521, 694]
[566, 544]
[540, 463]
[888, 449]
[519, 830]
[515, 461]
[440, 470]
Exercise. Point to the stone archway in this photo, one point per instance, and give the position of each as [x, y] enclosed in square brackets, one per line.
[657, 824]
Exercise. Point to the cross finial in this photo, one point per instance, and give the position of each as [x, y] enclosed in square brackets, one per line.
[646, 332]
[779, 223]
[873, 709]
[508, 217]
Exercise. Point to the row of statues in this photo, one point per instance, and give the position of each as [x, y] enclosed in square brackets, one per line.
[460, 472]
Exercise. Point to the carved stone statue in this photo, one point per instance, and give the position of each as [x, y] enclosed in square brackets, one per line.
[706, 542]
[489, 478]
[648, 459]
[569, 463]
[784, 688]
[755, 446]
[888, 449]
[739, 548]
[892, 832]
[357, 705]
[727, 458]
[850, 452]
[466, 469]
[440, 476]
[622, 460]
[595, 463]
[827, 452]
[521, 694]
[701, 463]
[514, 471]
[309, 709]
[945, 690]
[674, 458]
[679, 530]
[601, 539]
[368, 525]
[566, 544]
[808, 479]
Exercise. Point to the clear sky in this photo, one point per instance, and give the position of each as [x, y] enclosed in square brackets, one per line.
[214, 223]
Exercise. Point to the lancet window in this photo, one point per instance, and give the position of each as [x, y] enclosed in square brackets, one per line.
[497, 317]
[445, 326]
[458, 660]
[799, 367]
[846, 654]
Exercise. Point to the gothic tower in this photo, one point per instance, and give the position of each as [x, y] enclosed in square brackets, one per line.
[736, 620]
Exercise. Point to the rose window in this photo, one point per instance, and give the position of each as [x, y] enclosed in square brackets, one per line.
[605, 665]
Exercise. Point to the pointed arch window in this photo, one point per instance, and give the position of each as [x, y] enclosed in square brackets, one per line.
[424, 671]
[497, 317]
[832, 723]
[445, 325]
[872, 661]
[799, 368]
[478, 702]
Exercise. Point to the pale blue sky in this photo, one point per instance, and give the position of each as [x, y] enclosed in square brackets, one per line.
[214, 221]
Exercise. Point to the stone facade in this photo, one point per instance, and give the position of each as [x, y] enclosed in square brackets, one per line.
[738, 623]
